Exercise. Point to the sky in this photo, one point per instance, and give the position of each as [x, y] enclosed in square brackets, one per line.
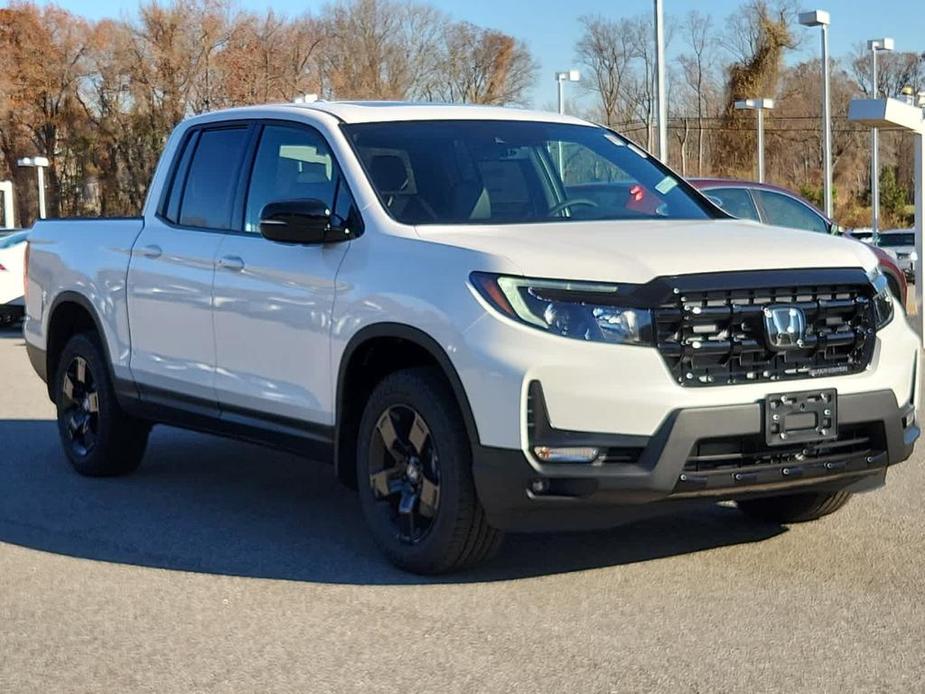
[551, 28]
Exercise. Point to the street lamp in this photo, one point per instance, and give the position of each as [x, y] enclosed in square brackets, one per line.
[759, 105]
[875, 46]
[820, 18]
[39, 164]
[561, 79]
[909, 116]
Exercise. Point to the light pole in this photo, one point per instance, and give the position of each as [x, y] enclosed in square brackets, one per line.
[875, 46]
[821, 18]
[908, 115]
[759, 105]
[660, 81]
[561, 79]
[39, 164]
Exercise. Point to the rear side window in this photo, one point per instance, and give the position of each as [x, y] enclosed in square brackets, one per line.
[736, 201]
[209, 190]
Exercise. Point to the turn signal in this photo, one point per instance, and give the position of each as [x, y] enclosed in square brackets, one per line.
[571, 454]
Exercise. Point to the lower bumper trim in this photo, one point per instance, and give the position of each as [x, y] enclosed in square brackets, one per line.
[573, 496]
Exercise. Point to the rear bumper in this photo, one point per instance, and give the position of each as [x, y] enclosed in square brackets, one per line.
[522, 495]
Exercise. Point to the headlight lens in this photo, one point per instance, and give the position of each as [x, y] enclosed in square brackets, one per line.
[579, 310]
[883, 298]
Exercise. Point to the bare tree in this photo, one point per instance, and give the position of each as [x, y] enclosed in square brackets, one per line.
[605, 52]
[697, 64]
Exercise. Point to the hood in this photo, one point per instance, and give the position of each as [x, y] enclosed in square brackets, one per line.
[639, 250]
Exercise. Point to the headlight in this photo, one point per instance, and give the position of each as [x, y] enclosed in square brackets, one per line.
[580, 310]
[883, 298]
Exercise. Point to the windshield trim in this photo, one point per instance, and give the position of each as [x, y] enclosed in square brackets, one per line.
[709, 208]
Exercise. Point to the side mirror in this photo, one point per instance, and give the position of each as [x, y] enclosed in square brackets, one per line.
[307, 221]
[836, 229]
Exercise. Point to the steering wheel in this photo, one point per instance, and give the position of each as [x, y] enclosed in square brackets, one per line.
[565, 204]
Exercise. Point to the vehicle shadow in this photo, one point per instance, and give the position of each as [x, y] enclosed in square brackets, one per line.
[209, 505]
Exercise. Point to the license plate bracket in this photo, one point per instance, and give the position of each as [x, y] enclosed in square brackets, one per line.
[801, 417]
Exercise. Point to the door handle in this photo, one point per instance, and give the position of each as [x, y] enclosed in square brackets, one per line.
[231, 262]
[151, 251]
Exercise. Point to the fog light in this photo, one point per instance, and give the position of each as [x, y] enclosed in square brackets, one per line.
[570, 454]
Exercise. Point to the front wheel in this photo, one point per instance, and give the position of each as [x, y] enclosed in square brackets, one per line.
[414, 472]
[794, 508]
[99, 438]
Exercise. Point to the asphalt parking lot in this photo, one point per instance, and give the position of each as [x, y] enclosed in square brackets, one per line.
[223, 567]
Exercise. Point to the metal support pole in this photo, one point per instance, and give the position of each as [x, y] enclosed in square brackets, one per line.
[874, 164]
[561, 85]
[660, 78]
[919, 226]
[40, 172]
[827, 119]
[760, 145]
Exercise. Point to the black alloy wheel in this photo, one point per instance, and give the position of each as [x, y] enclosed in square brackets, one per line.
[81, 407]
[404, 472]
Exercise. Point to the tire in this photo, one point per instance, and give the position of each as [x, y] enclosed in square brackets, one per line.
[417, 494]
[793, 508]
[98, 437]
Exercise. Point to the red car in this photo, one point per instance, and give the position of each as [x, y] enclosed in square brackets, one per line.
[778, 206]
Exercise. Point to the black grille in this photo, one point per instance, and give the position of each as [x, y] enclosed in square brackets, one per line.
[743, 452]
[718, 337]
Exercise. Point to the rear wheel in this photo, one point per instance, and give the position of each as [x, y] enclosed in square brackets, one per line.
[99, 438]
[414, 468]
[794, 508]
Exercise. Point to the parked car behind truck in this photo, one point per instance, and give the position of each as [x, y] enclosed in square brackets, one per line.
[12, 253]
[770, 204]
[416, 293]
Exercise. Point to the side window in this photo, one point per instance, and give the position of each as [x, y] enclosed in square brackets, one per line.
[784, 211]
[736, 201]
[208, 195]
[292, 163]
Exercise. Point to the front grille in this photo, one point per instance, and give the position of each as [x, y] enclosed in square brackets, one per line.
[718, 337]
[744, 452]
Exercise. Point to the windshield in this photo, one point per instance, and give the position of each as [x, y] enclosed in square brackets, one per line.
[892, 240]
[482, 172]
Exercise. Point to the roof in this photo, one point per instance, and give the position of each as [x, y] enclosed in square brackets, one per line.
[737, 182]
[381, 111]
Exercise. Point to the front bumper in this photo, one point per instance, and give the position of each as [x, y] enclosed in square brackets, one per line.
[523, 495]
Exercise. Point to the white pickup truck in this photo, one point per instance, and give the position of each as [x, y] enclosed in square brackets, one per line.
[487, 319]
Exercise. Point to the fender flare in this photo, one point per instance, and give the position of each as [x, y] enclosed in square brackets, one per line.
[420, 339]
[72, 297]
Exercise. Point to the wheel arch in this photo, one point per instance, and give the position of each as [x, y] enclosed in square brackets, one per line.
[355, 381]
[69, 314]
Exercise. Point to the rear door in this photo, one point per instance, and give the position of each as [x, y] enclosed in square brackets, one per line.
[273, 301]
[173, 266]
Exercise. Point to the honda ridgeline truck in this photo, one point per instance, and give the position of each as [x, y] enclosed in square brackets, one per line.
[489, 320]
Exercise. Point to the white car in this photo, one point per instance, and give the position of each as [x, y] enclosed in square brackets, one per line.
[12, 253]
[902, 243]
[429, 297]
